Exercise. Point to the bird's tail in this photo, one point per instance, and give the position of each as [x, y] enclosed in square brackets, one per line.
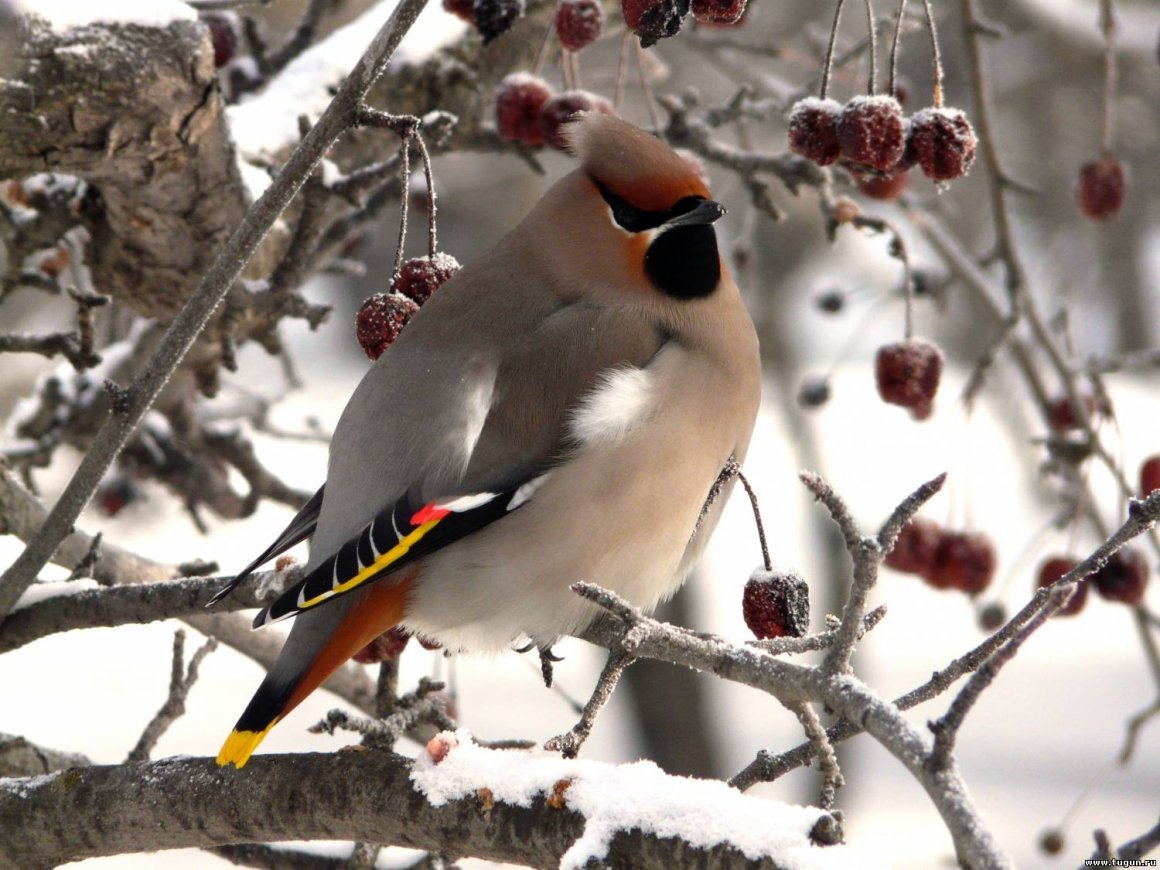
[295, 675]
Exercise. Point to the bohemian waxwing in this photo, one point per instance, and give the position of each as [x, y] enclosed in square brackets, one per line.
[557, 412]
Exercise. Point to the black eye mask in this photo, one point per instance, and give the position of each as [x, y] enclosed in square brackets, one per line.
[637, 220]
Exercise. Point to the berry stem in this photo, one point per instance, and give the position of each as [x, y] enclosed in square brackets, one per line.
[650, 99]
[542, 53]
[1108, 26]
[894, 50]
[429, 175]
[872, 29]
[622, 70]
[935, 57]
[405, 169]
[757, 519]
[829, 64]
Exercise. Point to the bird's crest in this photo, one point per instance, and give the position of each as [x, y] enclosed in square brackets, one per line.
[631, 163]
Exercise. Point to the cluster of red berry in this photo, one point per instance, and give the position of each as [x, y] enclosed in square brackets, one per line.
[776, 605]
[944, 559]
[382, 316]
[871, 137]
[530, 112]
[1123, 578]
[491, 18]
[653, 20]
[908, 374]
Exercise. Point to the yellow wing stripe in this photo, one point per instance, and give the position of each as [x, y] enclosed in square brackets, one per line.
[392, 555]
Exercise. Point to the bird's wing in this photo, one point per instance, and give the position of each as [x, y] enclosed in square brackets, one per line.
[397, 536]
[299, 529]
[524, 435]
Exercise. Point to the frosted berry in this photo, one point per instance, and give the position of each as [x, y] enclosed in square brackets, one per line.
[883, 187]
[579, 23]
[871, 132]
[223, 32]
[943, 142]
[908, 373]
[389, 645]
[776, 605]
[464, 9]
[718, 11]
[563, 106]
[963, 560]
[1052, 570]
[1150, 475]
[422, 276]
[653, 20]
[914, 551]
[1123, 578]
[518, 101]
[493, 18]
[813, 130]
[380, 320]
[1101, 187]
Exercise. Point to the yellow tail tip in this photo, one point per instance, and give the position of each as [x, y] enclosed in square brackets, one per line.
[240, 745]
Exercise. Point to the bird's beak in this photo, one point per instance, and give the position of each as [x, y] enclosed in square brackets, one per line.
[705, 213]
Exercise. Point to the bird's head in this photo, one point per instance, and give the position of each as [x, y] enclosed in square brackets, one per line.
[634, 216]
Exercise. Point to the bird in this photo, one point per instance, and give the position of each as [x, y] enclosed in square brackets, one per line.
[558, 411]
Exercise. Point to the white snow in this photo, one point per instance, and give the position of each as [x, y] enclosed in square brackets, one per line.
[42, 591]
[266, 123]
[68, 14]
[620, 797]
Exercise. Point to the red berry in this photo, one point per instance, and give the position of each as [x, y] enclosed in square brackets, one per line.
[813, 130]
[1051, 571]
[422, 276]
[1123, 578]
[493, 18]
[389, 645]
[776, 605]
[464, 9]
[380, 320]
[914, 551]
[1150, 475]
[1101, 187]
[116, 493]
[563, 106]
[579, 23]
[871, 132]
[908, 375]
[1062, 417]
[519, 100]
[718, 11]
[883, 187]
[963, 560]
[223, 32]
[943, 143]
[1051, 841]
[653, 20]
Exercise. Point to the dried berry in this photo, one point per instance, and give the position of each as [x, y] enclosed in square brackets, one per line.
[223, 32]
[464, 9]
[883, 187]
[776, 605]
[908, 373]
[1052, 570]
[963, 560]
[493, 18]
[871, 132]
[813, 130]
[1150, 475]
[519, 100]
[831, 301]
[422, 276]
[1124, 577]
[386, 646]
[563, 106]
[1051, 841]
[718, 11]
[914, 551]
[653, 20]
[992, 617]
[943, 143]
[814, 392]
[579, 23]
[1101, 187]
[380, 320]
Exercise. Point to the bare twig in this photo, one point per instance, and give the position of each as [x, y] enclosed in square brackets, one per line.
[569, 744]
[181, 680]
[823, 750]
